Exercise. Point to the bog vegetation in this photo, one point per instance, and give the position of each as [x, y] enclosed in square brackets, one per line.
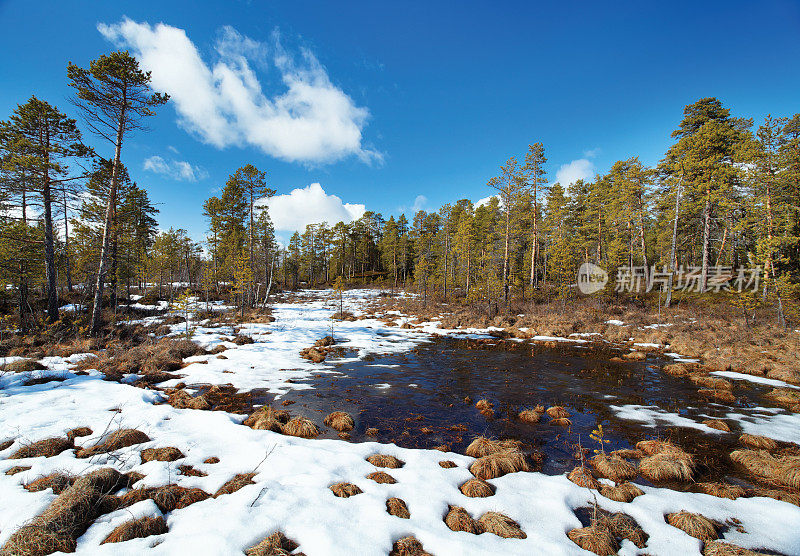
[77, 229]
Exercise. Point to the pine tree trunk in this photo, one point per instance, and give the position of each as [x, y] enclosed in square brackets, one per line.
[97, 308]
[67, 265]
[535, 247]
[49, 248]
[706, 242]
[672, 261]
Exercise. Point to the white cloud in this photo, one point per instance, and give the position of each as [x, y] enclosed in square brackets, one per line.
[485, 201]
[591, 153]
[580, 169]
[420, 202]
[178, 170]
[309, 205]
[310, 120]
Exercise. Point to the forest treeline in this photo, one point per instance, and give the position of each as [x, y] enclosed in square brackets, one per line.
[74, 226]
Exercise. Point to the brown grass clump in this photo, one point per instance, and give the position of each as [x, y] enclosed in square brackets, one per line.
[47, 448]
[623, 526]
[613, 467]
[759, 463]
[624, 492]
[717, 424]
[408, 546]
[114, 441]
[694, 525]
[758, 442]
[383, 460]
[557, 412]
[676, 369]
[665, 467]
[274, 545]
[484, 404]
[501, 525]
[595, 539]
[137, 529]
[78, 432]
[242, 340]
[788, 472]
[382, 478]
[345, 490]
[340, 421]
[628, 453]
[724, 396]
[66, 518]
[714, 383]
[447, 464]
[5, 444]
[235, 483]
[397, 507]
[529, 416]
[499, 464]
[719, 548]
[483, 446]
[457, 519]
[561, 422]
[476, 488]
[23, 365]
[652, 447]
[190, 471]
[777, 494]
[161, 454]
[59, 482]
[582, 477]
[212, 459]
[267, 418]
[17, 469]
[721, 490]
[168, 498]
[302, 427]
[784, 396]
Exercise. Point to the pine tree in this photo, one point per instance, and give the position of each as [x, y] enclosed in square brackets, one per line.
[114, 96]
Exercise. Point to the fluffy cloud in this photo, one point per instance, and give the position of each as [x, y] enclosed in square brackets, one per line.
[581, 169]
[178, 170]
[310, 120]
[309, 205]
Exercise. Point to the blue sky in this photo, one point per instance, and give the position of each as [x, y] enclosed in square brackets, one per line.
[402, 105]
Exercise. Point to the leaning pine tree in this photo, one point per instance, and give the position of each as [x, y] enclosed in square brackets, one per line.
[114, 96]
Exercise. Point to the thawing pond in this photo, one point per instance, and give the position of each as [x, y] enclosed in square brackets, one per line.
[426, 398]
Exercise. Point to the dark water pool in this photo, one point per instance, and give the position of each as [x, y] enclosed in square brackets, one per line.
[424, 405]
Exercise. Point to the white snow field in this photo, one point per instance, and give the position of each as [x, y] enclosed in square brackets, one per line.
[291, 492]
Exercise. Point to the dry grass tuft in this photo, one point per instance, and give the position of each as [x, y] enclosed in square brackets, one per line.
[777, 494]
[447, 464]
[484, 404]
[212, 459]
[483, 446]
[114, 441]
[719, 548]
[457, 519]
[624, 492]
[757, 462]
[137, 529]
[267, 418]
[628, 453]
[397, 507]
[237, 482]
[721, 490]
[664, 467]
[17, 469]
[758, 442]
[496, 465]
[561, 422]
[59, 482]
[613, 467]
[623, 526]
[529, 416]
[161, 454]
[676, 369]
[788, 472]
[274, 545]
[382, 478]
[66, 518]
[501, 525]
[384, 460]
[302, 427]
[717, 424]
[784, 396]
[694, 525]
[345, 490]
[711, 382]
[583, 477]
[652, 447]
[23, 365]
[6, 444]
[47, 448]
[168, 497]
[476, 488]
[340, 421]
[557, 412]
[408, 546]
[595, 539]
[78, 432]
[723, 396]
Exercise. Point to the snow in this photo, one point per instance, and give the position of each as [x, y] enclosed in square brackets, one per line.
[652, 416]
[291, 492]
[755, 379]
[615, 322]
